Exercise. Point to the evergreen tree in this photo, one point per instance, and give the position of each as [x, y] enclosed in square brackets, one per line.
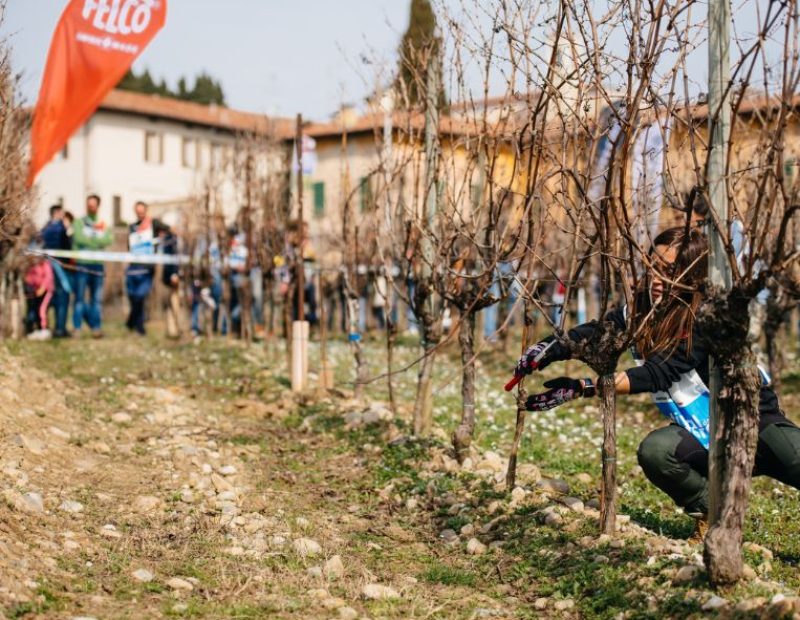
[129, 81]
[147, 84]
[419, 41]
[183, 92]
[163, 88]
[206, 89]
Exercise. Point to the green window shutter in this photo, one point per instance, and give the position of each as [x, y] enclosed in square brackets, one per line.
[366, 194]
[790, 167]
[319, 199]
[475, 195]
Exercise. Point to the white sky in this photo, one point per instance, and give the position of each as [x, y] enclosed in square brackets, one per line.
[272, 56]
[288, 56]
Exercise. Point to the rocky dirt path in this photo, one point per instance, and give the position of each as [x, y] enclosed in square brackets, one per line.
[144, 481]
[124, 499]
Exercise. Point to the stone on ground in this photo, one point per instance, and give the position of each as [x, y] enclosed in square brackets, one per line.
[555, 485]
[347, 613]
[109, 531]
[332, 602]
[528, 473]
[307, 547]
[714, 603]
[176, 583]
[32, 502]
[378, 592]
[334, 568]
[686, 574]
[475, 547]
[143, 575]
[146, 503]
[517, 495]
[71, 506]
[573, 503]
[318, 593]
[448, 535]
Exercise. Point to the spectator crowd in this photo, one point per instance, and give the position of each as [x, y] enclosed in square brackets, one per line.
[218, 282]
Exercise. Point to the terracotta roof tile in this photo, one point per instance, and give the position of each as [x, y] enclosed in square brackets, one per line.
[750, 105]
[189, 112]
[461, 127]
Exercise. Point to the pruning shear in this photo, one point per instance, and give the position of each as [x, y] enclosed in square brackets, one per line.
[533, 365]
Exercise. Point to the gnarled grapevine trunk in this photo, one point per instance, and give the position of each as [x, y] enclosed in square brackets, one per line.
[601, 353]
[462, 436]
[431, 327]
[391, 337]
[737, 436]
[735, 383]
[608, 497]
[423, 407]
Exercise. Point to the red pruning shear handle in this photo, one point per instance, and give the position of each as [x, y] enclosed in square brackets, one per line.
[510, 385]
[533, 365]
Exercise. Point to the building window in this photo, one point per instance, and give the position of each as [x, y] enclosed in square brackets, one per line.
[64, 154]
[790, 174]
[365, 188]
[116, 203]
[153, 147]
[319, 199]
[189, 153]
[215, 160]
[475, 195]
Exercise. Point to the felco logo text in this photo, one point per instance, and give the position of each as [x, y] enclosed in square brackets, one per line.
[120, 16]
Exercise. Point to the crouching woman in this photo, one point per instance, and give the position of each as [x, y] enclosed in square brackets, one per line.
[672, 356]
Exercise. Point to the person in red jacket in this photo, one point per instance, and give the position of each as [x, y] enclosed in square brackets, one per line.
[39, 288]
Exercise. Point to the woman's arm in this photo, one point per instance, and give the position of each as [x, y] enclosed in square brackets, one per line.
[658, 372]
[620, 379]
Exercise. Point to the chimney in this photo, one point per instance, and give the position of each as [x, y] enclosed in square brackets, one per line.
[346, 116]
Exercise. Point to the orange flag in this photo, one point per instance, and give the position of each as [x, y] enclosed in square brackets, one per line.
[95, 43]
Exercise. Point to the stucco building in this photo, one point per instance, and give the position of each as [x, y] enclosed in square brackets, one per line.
[163, 151]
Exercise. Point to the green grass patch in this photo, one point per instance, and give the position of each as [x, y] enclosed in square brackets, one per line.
[449, 576]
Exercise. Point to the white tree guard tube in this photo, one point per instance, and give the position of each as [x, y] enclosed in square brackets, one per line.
[300, 331]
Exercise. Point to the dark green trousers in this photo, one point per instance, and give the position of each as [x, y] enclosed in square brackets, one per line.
[674, 461]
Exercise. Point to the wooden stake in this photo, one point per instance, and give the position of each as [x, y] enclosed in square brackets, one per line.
[301, 311]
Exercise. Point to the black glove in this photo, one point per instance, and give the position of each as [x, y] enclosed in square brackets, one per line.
[561, 390]
[547, 348]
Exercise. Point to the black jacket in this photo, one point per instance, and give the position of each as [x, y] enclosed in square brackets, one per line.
[660, 371]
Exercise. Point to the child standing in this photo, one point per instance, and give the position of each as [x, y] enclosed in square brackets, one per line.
[39, 289]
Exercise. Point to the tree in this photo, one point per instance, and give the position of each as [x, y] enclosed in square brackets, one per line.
[206, 89]
[143, 83]
[14, 196]
[419, 40]
[183, 91]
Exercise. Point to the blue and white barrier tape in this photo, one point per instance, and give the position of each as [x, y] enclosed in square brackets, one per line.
[116, 257]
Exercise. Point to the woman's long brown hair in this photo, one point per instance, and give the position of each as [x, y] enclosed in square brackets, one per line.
[672, 319]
